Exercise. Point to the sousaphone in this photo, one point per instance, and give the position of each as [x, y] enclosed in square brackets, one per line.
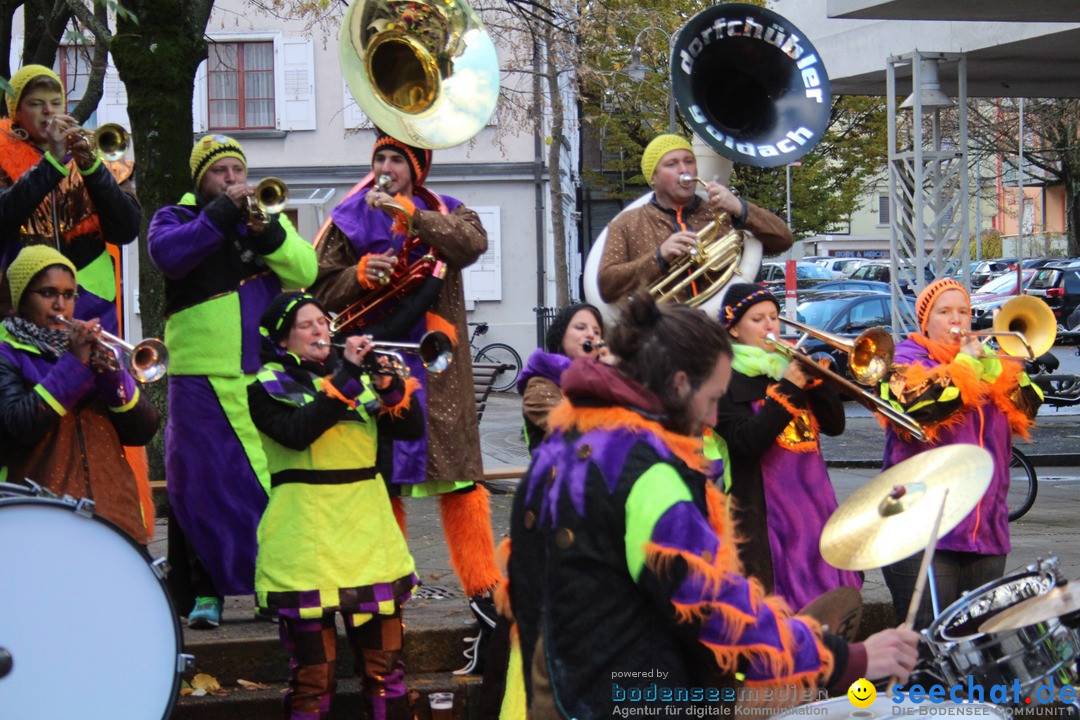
[754, 89]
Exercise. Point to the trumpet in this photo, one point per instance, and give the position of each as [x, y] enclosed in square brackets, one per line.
[147, 362]
[589, 346]
[866, 399]
[109, 142]
[270, 197]
[1025, 327]
[434, 350]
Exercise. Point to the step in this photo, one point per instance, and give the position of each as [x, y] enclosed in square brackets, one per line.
[243, 704]
[250, 649]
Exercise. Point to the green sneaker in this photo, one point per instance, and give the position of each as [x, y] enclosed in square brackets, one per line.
[206, 615]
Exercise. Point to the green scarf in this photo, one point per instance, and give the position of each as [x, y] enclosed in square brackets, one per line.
[753, 361]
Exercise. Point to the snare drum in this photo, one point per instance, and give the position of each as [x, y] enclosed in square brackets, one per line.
[86, 617]
[1034, 655]
[884, 707]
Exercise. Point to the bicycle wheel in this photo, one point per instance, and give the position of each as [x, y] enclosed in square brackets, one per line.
[501, 354]
[1023, 485]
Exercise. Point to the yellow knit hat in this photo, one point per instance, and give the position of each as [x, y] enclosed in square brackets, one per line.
[28, 263]
[211, 148]
[19, 81]
[660, 146]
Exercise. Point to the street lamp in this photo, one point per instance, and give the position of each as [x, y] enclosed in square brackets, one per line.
[636, 71]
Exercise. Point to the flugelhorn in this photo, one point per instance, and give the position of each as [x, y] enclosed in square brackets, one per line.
[426, 73]
[1025, 328]
[271, 195]
[147, 362]
[866, 399]
[434, 350]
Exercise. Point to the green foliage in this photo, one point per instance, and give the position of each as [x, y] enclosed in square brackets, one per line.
[991, 245]
[120, 10]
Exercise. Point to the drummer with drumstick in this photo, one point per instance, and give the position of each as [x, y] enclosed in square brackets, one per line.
[943, 379]
[65, 413]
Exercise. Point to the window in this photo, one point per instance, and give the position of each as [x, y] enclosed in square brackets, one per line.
[883, 209]
[75, 71]
[240, 85]
[255, 81]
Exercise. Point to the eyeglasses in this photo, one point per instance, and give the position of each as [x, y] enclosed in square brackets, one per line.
[51, 294]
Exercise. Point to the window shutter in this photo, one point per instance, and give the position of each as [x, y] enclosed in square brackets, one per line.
[883, 209]
[483, 279]
[294, 69]
[113, 105]
[199, 121]
[353, 117]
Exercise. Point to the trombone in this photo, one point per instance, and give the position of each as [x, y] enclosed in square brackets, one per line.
[147, 362]
[866, 399]
[870, 354]
[434, 350]
[1025, 328]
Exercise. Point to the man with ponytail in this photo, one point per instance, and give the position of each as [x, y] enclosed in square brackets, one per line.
[623, 574]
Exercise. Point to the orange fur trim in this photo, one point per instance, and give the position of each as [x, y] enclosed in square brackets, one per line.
[89, 225]
[328, 388]
[565, 416]
[501, 595]
[398, 506]
[963, 377]
[361, 273]
[722, 525]
[398, 410]
[467, 525]
[773, 392]
[399, 222]
[433, 322]
[1001, 392]
[136, 458]
[16, 155]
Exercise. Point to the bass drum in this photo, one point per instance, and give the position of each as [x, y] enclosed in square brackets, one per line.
[85, 617]
[749, 263]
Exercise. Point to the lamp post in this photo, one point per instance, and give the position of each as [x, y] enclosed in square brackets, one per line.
[637, 71]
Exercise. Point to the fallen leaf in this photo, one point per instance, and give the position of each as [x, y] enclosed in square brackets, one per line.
[205, 682]
[248, 685]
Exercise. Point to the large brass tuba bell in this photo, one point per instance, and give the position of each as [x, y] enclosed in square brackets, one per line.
[1025, 328]
[423, 71]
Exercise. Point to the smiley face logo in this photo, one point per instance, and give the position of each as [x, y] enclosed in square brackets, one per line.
[862, 693]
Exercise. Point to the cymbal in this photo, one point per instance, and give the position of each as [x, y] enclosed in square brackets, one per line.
[891, 516]
[1060, 600]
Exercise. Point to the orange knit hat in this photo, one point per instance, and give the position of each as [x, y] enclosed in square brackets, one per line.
[926, 299]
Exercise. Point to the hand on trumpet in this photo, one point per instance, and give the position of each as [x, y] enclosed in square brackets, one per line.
[83, 335]
[379, 266]
[678, 244]
[356, 350]
[65, 137]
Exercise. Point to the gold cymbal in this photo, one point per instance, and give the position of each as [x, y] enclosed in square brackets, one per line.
[891, 516]
[1060, 600]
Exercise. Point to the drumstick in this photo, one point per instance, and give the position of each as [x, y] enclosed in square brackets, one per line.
[920, 579]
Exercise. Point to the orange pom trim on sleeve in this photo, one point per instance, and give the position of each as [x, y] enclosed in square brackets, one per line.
[361, 274]
[398, 409]
[399, 222]
[329, 389]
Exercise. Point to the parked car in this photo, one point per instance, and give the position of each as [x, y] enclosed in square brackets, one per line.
[772, 275]
[984, 271]
[1034, 263]
[882, 272]
[845, 266]
[846, 314]
[993, 295]
[848, 284]
[1058, 283]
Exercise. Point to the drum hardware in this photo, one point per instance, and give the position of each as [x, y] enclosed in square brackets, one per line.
[434, 350]
[147, 362]
[1025, 328]
[889, 518]
[1060, 602]
[867, 399]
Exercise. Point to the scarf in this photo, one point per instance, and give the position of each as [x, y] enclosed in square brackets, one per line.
[50, 343]
[753, 361]
[939, 352]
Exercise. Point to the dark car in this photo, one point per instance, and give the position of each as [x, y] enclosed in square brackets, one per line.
[993, 295]
[863, 285]
[984, 271]
[846, 314]
[807, 274]
[882, 272]
[1058, 283]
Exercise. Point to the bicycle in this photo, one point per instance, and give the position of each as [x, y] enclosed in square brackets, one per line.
[496, 354]
[1023, 485]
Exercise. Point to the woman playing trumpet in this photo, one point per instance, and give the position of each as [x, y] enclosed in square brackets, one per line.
[943, 379]
[768, 426]
[576, 331]
[65, 413]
